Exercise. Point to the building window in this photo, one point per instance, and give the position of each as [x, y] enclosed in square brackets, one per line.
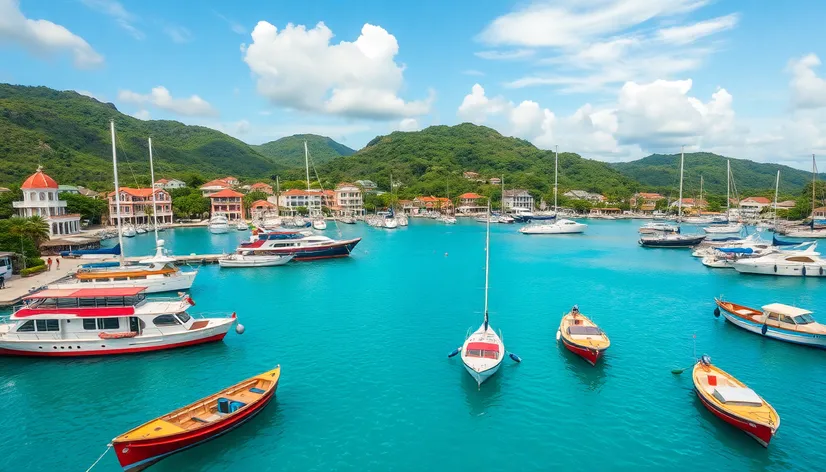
[42, 196]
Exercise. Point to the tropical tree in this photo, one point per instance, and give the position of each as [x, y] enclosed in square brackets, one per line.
[33, 229]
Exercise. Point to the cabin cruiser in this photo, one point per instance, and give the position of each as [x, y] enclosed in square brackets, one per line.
[104, 321]
[128, 231]
[522, 215]
[734, 228]
[806, 263]
[218, 224]
[250, 259]
[562, 226]
[304, 245]
[156, 274]
[656, 227]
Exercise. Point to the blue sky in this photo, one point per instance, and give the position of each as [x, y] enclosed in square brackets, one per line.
[609, 79]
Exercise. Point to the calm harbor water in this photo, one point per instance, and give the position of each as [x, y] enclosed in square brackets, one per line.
[366, 384]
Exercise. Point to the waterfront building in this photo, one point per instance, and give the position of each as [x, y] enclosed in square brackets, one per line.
[517, 198]
[40, 198]
[169, 184]
[645, 198]
[605, 211]
[752, 206]
[259, 208]
[295, 198]
[213, 186]
[134, 203]
[227, 202]
[472, 203]
[441, 204]
[348, 199]
[408, 207]
[261, 187]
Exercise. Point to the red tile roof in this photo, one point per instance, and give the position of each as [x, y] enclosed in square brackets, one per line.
[226, 193]
[260, 185]
[39, 180]
[139, 192]
[216, 183]
[162, 181]
[262, 203]
[763, 200]
[470, 196]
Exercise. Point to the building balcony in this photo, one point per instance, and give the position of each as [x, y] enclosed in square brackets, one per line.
[40, 204]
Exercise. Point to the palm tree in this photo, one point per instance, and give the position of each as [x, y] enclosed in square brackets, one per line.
[34, 228]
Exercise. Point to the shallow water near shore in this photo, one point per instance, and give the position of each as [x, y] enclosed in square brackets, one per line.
[366, 384]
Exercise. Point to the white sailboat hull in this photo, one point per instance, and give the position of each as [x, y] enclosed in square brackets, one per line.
[153, 283]
[724, 229]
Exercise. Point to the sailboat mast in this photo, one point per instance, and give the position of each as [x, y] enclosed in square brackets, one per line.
[680, 201]
[728, 188]
[154, 201]
[701, 193]
[307, 164]
[277, 197]
[487, 265]
[776, 190]
[556, 177]
[503, 196]
[814, 182]
[117, 190]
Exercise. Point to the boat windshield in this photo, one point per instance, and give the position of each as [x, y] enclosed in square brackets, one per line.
[484, 353]
[804, 319]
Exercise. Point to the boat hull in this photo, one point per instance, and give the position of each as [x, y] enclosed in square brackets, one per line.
[671, 243]
[154, 284]
[265, 261]
[339, 249]
[761, 433]
[480, 377]
[812, 340]
[590, 355]
[555, 229]
[786, 270]
[141, 454]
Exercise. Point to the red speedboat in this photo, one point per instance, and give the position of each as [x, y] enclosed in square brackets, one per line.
[196, 423]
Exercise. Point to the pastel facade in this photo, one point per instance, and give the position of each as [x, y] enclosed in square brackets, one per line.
[348, 199]
[517, 198]
[136, 206]
[40, 198]
[227, 202]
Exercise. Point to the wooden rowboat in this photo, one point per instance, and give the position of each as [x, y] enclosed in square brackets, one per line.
[195, 423]
[777, 321]
[731, 401]
[583, 337]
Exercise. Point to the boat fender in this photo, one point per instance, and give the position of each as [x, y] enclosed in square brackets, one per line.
[803, 271]
[764, 329]
[455, 351]
[558, 335]
[717, 312]
[239, 328]
[775, 268]
[515, 357]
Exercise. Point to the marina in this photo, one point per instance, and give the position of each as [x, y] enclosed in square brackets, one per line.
[650, 301]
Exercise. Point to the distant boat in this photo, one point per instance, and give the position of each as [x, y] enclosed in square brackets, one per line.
[731, 401]
[241, 226]
[195, 423]
[776, 321]
[656, 227]
[582, 336]
[253, 260]
[347, 219]
[806, 263]
[129, 232]
[140, 230]
[320, 224]
[305, 246]
[563, 226]
[218, 224]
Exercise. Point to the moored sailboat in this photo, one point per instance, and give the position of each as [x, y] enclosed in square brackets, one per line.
[195, 423]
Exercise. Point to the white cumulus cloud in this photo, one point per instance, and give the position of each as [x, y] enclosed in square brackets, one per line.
[299, 68]
[160, 97]
[409, 124]
[42, 37]
[808, 90]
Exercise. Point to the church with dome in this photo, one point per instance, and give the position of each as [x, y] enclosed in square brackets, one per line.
[40, 198]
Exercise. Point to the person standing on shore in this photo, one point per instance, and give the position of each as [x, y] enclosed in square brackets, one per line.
[57, 262]
[49, 263]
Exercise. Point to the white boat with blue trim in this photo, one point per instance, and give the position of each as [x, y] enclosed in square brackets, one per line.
[776, 321]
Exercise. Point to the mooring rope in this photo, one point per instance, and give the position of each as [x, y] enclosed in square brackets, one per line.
[108, 446]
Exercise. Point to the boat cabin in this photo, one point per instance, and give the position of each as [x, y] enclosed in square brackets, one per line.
[788, 315]
[482, 350]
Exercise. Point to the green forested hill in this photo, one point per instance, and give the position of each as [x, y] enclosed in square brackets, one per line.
[425, 161]
[68, 134]
[289, 151]
[660, 171]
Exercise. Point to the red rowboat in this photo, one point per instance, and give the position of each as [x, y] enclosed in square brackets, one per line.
[731, 401]
[196, 423]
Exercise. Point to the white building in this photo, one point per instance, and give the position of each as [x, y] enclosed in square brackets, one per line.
[169, 184]
[40, 194]
[752, 206]
[517, 198]
[348, 199]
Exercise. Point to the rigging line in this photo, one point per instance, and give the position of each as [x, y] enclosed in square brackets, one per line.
[335, 221]
[108, 446]
[128, 164]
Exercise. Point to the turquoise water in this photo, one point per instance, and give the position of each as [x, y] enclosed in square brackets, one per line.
[366, 384]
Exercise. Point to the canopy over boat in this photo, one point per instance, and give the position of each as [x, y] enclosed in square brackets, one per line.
[86, 292]
[787, 310]
[736, 250]
[483, 346]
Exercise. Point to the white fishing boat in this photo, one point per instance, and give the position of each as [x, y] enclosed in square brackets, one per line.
[140, 230]
[347, 219]
[319, 224]
[218, 224]
[390, 222]
[104, 321]
[241, 226]
[562, 226]
[487, 218]
[505, 219]
[806, 263]
[559, 226]
[128, 231]
[776, 321]
[250, 259]
[448, 220]
[483, 350]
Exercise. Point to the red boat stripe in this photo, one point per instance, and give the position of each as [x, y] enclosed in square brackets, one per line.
[104, 352]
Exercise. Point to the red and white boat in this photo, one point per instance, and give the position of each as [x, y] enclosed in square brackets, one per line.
[731, 401]
[196, 423]
[303, 245]
[104, 321]
[582, 336]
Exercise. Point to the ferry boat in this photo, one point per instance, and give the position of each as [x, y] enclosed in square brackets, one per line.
[156, 274]
[218, 224]
[731, 401]
[195, 423]
[582, 336]
[305, 246]
[104, 321]
[776, 321]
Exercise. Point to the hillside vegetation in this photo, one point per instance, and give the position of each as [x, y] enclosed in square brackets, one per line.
[68, 134]
[662, 172]
[430, 160]
[289, 151]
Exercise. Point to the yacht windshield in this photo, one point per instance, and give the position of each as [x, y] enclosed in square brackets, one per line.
[804, 319]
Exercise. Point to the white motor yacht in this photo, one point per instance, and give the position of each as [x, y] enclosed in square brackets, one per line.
[320, 224]
[734, 228]
[562, 226]
[250, 259]
[129, 232]
[655, 227]
[218, 224]
[806, 263]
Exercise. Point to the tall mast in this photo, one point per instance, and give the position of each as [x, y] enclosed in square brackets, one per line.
[117, 189]
[277, 197]
[556, 177]
[680, 201]
[307, 164]
[154, 201]
[814, 182]
[728, 188]
[701, 193]
[487, 265]
[503, 195]
[776, 190]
